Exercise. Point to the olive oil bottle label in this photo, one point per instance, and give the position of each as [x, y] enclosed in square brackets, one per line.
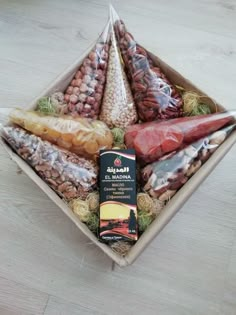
[118, 208]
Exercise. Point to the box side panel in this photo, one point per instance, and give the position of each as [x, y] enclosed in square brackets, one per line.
[60, 83]
[179, 199]
[61, 204]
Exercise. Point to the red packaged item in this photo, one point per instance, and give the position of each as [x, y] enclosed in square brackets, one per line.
[153, 140]
[162, 179]
[154, 96]
[84, 93]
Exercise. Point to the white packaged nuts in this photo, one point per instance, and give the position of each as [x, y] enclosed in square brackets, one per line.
[118, 109]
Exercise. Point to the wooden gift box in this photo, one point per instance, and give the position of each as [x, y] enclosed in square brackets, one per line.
[59, 84]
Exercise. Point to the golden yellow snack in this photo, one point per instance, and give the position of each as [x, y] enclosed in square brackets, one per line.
[79, 135]
[67, 137]
[91, 147]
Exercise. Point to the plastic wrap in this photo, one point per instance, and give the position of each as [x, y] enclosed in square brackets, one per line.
[79, 135]
[68, 174]
[155, 139]
[162, 179]
[155, 97]
[84, 94]
[118, 109]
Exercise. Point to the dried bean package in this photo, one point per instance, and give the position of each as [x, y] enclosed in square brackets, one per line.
[68, 174]
[118, 109]
[82, 136]
[162, 179]
[154, 96]
[152, 140]
[84, 94]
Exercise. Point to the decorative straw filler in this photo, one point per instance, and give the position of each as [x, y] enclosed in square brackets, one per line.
[193, 105]
[118, 205]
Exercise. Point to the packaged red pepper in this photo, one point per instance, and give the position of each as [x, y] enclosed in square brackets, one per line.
[162, 179]
[155, 139]
[154, 96]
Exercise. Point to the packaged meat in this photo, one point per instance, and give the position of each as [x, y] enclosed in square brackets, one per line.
[162, 179]
[155, 139]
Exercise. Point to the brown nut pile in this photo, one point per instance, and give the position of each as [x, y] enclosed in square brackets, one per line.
[154, 96]
[162, 179]
[118, 109]
[68, 174]
[84, 94]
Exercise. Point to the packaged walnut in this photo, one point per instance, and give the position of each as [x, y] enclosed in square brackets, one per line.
[154, 95]
[118, 109]
[69, 175]
[84, 93]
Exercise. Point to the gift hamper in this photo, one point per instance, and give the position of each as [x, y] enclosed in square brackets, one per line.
[119, 142]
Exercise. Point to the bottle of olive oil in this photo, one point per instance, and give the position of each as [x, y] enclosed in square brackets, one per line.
[118, 207]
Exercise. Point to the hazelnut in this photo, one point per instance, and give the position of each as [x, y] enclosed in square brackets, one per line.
[194, 167]
[167, 195]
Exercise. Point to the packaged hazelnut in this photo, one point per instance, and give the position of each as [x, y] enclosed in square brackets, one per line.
[69, 175]
[118, 109]
[154, 96]
[84, 94]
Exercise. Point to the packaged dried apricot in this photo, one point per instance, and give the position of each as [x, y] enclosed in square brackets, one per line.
[80, 135]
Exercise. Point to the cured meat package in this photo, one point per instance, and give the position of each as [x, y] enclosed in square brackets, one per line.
[162, 179]
[153, 140]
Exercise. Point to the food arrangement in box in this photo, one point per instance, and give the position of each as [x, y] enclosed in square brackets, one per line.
[120, 140]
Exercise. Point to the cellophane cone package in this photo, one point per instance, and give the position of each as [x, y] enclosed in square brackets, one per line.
[79, 135]
[68, 174]
[118, 108]
[152, 140]
[154, 95]
[163, 178]
[83, 96]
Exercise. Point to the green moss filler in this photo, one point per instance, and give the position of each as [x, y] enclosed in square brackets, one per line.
[45, 106]
[144, 220]
[118, 136]
[93, 223]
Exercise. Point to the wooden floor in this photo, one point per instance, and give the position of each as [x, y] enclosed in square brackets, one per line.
[46, 265]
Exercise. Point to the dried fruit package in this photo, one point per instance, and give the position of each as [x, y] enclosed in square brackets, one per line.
[84, 94]
[82, 136]
[69, 175]
[152, 140]
[118, 109]
[154, 96]
[162, 179]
